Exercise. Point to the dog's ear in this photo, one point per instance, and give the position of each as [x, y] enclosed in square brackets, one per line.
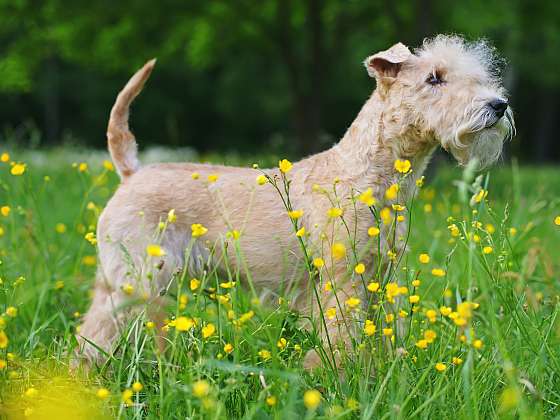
[387, 63]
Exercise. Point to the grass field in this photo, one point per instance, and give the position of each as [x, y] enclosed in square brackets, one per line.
[482, 337]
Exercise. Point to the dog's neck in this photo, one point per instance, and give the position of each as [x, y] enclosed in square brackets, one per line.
[367, 152]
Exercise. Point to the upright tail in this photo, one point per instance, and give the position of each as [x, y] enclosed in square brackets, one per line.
[121, 142]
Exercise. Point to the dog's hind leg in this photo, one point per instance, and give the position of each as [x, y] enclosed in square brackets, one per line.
[100, 326]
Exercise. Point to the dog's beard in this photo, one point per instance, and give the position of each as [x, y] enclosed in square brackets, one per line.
[481, 138]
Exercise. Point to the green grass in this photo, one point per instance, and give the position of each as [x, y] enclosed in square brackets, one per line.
[515, 374]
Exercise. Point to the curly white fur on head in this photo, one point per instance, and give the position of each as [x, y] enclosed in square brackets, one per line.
[445, 91]
[472, 129]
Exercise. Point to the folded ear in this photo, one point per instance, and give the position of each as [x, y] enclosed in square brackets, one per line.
[387, 63]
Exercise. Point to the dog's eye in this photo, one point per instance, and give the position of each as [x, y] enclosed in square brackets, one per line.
[434, 79]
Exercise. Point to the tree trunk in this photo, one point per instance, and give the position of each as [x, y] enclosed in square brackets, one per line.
[51, 102]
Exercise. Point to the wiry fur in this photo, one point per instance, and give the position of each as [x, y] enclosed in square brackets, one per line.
[120, 140]
[404, 118]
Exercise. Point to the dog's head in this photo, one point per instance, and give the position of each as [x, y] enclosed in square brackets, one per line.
[448, 91]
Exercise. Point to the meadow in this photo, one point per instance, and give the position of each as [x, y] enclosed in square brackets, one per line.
[477, 290]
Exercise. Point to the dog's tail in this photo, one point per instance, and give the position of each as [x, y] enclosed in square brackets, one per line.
[121, 142]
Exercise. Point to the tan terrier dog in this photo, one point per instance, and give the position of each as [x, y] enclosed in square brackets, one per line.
[447, 93]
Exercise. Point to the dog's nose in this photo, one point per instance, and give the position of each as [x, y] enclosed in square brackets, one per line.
[499, 106]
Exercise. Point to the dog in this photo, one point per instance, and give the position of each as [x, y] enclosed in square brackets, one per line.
[447, 93]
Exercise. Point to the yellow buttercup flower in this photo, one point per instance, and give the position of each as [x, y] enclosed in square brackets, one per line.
[457, 361]
[373, 287]
[282, 343]
[271, 400]
[228, 348]
[402, 166]
[353, 302]
[128, 289]
[194, 284]
[369, 328]
[154, 250]
[18, 169]
[171, 216]
[392, 192]
[454, 230]
[5, 211]
[318, 262]
[430, 335]
[261, 180]
[445, 311]
[89, 260]
[367, 197]
[373, 231]
[198, 230]
[208, 330]
[440, 367]
[137, 387]
[102, 393]
[200, 389]
[385, 215]
[388, 332]
[285, 166]
[479, 196]
[424, 258]
[90, 237]
[432, 315]
[183, 323]
[414, 299]
[108, 165]
[195, 175]
[234, 234]
[264, 354]
[438, 272]
[312, 399]
[360, 268]
[295, 214]
[213, 178]
[4, 157]
[3, 340]
[487, 250]
[422, 344]
[416, 283]
[334, 212]
[556, 222]
[338, 251]
[330, 313]
[83, 167]
[301, 232]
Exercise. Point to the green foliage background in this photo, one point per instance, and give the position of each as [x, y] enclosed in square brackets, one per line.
[274, 75]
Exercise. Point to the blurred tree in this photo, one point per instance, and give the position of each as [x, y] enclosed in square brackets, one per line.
[242, 74]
